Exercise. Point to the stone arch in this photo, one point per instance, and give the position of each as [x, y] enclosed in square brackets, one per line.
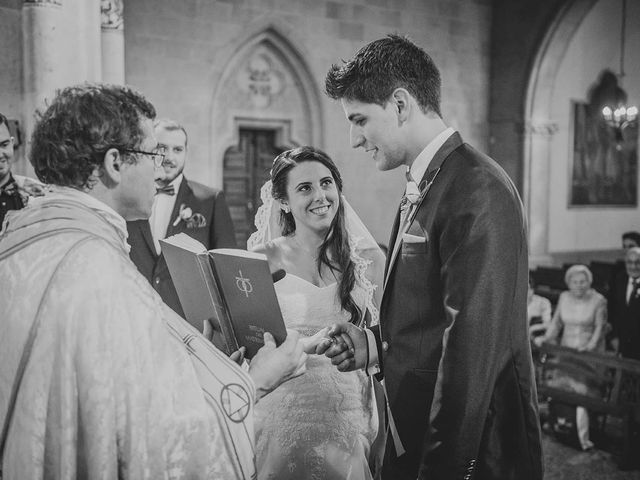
[539, 127]
[267, 88]
[282, 94]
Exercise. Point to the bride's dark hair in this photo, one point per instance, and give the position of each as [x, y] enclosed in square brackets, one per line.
[335, 251]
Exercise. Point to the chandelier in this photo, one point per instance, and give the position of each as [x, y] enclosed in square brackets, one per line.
[619, 115]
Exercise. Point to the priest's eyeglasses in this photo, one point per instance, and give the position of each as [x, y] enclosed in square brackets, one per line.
[158, 158]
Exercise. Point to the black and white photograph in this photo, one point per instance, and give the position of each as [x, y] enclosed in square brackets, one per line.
[319, 239]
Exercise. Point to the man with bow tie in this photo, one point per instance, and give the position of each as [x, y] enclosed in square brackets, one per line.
[180, 205]
[453, 341]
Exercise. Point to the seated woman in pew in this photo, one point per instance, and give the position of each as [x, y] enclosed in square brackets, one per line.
[581, 314]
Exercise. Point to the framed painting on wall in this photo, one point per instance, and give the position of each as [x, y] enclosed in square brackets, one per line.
[604, 170]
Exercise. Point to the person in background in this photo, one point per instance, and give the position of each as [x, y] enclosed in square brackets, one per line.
[619, 276]
[100, 379]
[180, 205]
[624, 307]
[10, 198]
[15, 190]
[581, 314]
[624, 313]
[630, 240]
[538, 311]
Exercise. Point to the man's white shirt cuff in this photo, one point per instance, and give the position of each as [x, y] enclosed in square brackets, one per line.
[373, 363]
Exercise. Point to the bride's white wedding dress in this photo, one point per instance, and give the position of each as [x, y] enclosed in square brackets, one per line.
[320, 425]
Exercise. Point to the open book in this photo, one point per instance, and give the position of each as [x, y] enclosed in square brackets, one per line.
[234, 287]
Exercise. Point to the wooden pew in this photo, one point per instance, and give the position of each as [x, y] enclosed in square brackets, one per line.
[616, 381]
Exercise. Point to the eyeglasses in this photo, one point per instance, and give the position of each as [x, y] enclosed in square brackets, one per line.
[158, 158]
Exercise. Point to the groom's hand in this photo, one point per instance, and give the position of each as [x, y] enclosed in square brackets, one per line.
[346, 347]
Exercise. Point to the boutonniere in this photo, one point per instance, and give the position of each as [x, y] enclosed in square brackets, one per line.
[192, 220]
[25, 190]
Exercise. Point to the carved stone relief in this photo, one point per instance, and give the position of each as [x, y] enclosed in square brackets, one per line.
[261, 79]
[111, 14]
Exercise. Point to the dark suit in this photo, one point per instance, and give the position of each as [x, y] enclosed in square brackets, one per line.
[625, 318]
[458, 368]
[217, 233]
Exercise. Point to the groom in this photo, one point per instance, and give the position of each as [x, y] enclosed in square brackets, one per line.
[452, 343]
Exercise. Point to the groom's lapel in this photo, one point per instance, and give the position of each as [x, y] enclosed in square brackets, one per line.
[392, 242]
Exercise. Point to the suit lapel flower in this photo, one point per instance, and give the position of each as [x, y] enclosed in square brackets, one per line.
[24, 188]
[191, 220]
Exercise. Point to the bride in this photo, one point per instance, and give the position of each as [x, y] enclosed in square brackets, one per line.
[323, 424]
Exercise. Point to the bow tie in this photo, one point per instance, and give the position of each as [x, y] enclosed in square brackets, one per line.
[167, 190]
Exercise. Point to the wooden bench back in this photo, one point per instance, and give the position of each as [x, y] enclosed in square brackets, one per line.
[616, 380]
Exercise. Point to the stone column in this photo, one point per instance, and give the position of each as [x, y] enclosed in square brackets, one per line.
[112, 41]
[538, 136]
[41, 57]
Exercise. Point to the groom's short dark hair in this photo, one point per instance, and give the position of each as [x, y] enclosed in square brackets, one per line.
[380, 67]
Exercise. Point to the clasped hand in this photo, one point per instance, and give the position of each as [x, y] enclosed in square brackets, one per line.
[346, 345]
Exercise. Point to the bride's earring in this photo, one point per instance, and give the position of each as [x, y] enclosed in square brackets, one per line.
[285, 208]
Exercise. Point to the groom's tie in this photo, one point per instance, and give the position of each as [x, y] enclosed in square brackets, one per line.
[410, 198]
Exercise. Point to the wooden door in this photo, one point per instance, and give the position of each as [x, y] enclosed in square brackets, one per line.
[246, 169]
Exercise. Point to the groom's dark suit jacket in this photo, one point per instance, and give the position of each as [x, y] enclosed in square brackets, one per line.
[625, 318]
[458, 367]
[216, 233]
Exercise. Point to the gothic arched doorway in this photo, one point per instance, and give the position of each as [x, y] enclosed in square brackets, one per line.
[246, 169]
[266, 101]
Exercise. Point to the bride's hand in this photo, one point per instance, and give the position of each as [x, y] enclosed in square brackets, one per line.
[309, 344]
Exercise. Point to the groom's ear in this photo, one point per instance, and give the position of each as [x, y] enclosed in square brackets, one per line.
[401, 103]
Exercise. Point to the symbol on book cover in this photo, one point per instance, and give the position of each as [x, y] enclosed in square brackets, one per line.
[235, 401]
[244, 284]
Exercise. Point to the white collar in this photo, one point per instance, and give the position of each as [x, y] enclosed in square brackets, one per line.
[422, 161]
[176, 182]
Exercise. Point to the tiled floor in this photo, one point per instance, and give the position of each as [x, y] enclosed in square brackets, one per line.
[565, 463]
